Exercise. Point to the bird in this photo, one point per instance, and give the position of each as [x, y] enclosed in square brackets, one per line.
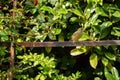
[77, 34]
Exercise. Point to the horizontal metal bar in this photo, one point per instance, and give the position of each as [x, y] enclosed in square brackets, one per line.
[65, 43]
[5, 44]
[71, 43]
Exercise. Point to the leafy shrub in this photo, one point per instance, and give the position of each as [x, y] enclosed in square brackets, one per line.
[57, 20]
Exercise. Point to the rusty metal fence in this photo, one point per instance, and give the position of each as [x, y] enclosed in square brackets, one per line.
[54, 44]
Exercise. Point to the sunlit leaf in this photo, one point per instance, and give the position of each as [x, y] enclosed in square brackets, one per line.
[62, 11]
[52, 36]
[19, 40]
[49, 9]
[75, 52]
[95, 1]
[78, 51]
[105, 29]
[115, 31]
[106, 24]
[116, 14]
[100, 11]
[108, 75]
[87, 13]
[110, 56]
[104, 61]
[93, 60]
[97, 78]
[87, 25]
[4, 38]
[84, 36]
[36, 63]
[56, 31]
[53, 2]
[73, 19]
[93, 19]
[76, 11]
[19, 57]
[115, 73]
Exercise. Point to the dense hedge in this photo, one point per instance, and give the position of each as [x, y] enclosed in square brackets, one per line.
[59, 20]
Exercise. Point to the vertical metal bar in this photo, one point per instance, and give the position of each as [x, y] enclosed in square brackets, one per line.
[14, 3]
[12, 42]
[11, 60]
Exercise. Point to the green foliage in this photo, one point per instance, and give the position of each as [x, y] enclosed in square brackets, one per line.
[78, 51]
[43, 66]
[113, 75]
[93, 60]
[57, 20]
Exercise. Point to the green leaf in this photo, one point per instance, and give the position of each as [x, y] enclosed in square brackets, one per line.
[115, 19]
[4, 38]
[100, 11]
[93, 60]
[87, 25]
[49, 9]
[52, 36]
[108, 75]
[78, 51]
[61, 37]
[115, 73]
[20, 57]
[91, 1]
[36, 63]
[95, 1]
[100, 2]
[2, 33]
[48, 49]
[56, 31]
[73, 19]
[105, 29]
[93, 19]
[98, 50]
[97, 78]
[84, 36]
[76, 11]
[104, 61]
[106, 24]
[110, 56]
[88, 10]
[53, 2]
[104, 32]
[62, 11]
[116, 14]
[3, 51]
[115, 31]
